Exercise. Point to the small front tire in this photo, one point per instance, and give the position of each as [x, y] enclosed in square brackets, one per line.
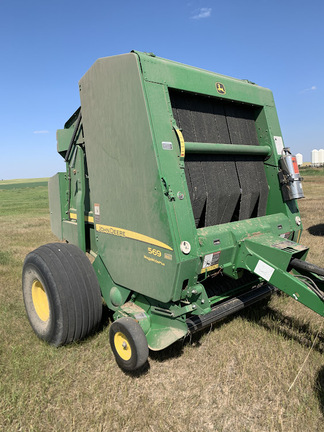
[128, 343]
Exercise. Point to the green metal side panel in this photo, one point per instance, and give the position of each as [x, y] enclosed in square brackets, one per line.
[57, 192]
[187, 78]
[180, 215]
[133, 234]
[63, 137]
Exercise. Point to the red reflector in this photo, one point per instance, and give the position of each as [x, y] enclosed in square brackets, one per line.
[294, 160]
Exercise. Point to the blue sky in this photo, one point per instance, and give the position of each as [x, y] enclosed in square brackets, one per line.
[47, 46]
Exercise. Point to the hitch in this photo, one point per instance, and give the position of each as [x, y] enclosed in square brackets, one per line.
[280, 263]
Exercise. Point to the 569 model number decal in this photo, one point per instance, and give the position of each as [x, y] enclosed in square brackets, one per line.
[154, 252]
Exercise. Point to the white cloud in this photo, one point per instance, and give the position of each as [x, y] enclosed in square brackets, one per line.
[41, 132]
[202, 13]
[313, 88]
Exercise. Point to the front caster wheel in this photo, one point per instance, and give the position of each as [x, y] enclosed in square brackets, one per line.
[128, 343]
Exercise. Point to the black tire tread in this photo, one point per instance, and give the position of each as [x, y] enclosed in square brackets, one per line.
[80, 304]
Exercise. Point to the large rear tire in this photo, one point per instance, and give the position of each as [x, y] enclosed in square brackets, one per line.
[61, 293]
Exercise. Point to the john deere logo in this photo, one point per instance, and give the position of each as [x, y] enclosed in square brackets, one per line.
[220, 88]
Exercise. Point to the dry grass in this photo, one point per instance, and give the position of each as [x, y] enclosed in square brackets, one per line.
[312, 213]
[234, 377]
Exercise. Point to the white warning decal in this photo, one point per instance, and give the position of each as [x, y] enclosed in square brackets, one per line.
[264, 270]
[97, 213]
[211, 259]
[279, 144]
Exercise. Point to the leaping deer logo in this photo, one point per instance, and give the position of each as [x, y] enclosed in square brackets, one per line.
[220, 88]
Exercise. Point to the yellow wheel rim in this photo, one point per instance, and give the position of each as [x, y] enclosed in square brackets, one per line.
[40, 300]
[122, 346]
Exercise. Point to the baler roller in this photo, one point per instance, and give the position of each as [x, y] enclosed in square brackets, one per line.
[229, 307]
[237, 149]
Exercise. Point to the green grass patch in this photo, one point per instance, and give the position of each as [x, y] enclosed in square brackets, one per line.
[5, 258]
[311, 171]
[26, 183]
[23, 181]
[23, 201]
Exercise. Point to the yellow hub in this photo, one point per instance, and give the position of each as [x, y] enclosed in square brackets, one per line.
[40, 300]
[122, 346]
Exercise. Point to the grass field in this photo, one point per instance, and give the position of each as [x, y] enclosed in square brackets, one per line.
[311, 171]
[234, 377]
[20, 184]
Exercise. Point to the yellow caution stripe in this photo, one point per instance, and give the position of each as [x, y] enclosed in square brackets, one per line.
[86, 218]
[182, 143]
[213, 267]
[120, 232]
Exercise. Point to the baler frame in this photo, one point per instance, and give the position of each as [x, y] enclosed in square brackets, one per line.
[167, 261]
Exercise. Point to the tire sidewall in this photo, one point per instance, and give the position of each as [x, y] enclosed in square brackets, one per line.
[130, 364]
[72, 290]
[36, 269]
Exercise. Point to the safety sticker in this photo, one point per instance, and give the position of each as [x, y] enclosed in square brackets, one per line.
[264, 270]
[210, 261]
[167, 145]
[279, 144]
[140, 316]
[97, 213]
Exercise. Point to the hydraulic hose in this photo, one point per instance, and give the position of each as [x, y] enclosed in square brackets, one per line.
[306, 266]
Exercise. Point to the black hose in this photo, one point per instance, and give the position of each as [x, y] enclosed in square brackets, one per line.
[306, 266]
[311, 285]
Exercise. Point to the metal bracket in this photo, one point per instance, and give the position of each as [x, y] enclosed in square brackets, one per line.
[167, 190]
